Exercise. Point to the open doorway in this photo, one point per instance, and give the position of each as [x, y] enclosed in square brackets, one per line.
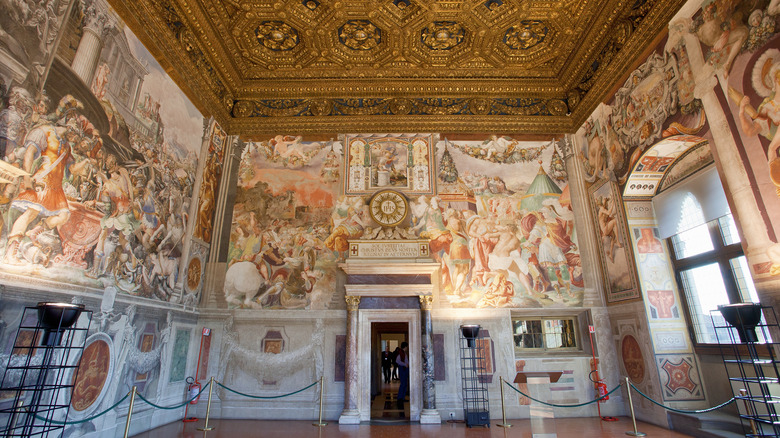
[387, 338]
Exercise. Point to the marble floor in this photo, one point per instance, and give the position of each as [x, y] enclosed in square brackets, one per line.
[386, 422]
[384, 408]
[565, 428]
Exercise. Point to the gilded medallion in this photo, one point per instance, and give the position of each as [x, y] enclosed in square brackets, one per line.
[388, 208]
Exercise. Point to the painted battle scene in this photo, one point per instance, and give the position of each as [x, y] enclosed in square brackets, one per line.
[279, 254]
[99, 151]
[503, 235]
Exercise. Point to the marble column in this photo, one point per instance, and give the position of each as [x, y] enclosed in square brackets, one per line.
[96, 22]
[429, 414]
[351, 415]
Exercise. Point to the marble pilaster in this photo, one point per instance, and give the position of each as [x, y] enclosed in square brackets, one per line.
[733, 172]
[429, 414]
[585, 225]
[351, 415]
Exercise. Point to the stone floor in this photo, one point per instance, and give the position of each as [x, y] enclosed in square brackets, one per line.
[384, 408]
[386, 421]
[565, 428]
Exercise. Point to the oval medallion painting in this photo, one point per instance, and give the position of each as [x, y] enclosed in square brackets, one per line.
[633, 361]
[93, 373]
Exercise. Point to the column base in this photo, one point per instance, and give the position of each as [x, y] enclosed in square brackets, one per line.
[430, 416]
[349, 416]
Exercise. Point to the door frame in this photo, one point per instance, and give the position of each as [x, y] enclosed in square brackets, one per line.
[365, 319]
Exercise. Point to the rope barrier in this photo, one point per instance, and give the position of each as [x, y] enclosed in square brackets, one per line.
[67, 423]
[682, 411]
[269, 397]
[177, 406]
[168, 407]
[563, 406]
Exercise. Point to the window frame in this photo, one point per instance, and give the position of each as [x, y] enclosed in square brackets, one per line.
[580, 325]
[721, 254]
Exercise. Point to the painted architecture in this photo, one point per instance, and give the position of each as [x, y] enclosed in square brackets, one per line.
[164, 218]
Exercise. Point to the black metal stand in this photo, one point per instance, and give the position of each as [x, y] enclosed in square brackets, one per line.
[476, 408]
[750, 357]
[42, 368]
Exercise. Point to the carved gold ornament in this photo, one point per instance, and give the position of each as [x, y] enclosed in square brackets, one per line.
[276, 35]
[388, 208]
[525, 35]
[443, 35]
[360, 35]
[311, 66]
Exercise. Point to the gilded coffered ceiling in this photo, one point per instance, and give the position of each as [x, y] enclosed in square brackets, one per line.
[317, 66]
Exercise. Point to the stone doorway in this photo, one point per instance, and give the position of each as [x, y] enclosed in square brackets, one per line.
[368, 321]
[384, 401]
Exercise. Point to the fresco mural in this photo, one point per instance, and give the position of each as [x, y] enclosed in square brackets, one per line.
[739, 40]
[616, 254]
[98, 160]
[31, 34]
[754, 102]
[504, 235]
[209, 186]
[640, 115]
[282, 253]
[400, 162]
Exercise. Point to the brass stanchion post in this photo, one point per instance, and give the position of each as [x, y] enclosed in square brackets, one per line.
[633, 416]
[130, 410]
[503, 410]
[322, 390]
[748, 410]
[208, 407]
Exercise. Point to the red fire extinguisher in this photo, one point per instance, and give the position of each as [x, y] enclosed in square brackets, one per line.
[602, 387]
[193, 390]
[193, 386]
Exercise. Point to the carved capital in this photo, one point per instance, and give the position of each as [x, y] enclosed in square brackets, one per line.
[426, 302]
[353, 302]
[97, 18]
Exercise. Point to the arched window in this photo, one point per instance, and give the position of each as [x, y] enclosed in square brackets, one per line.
[708, 260]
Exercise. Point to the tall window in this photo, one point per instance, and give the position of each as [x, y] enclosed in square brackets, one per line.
[711, 270]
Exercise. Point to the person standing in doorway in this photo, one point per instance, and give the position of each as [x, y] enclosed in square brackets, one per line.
[393, 357]
[386, 363]
[403, 375]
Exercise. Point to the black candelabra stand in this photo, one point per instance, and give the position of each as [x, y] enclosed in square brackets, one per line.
[475, 393]
[42, 368]
[745, 334]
